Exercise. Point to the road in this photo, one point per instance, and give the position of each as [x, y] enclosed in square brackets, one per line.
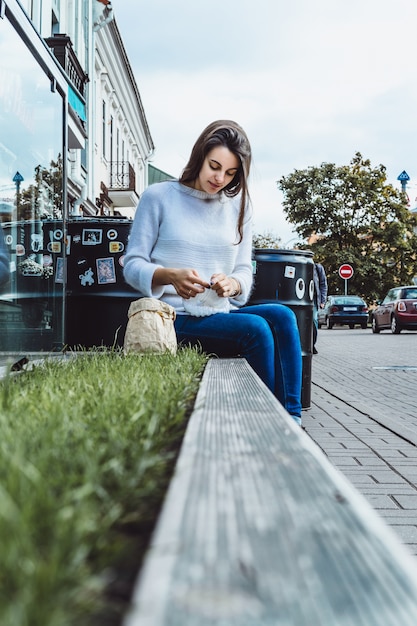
[363, 416]
[376, 374]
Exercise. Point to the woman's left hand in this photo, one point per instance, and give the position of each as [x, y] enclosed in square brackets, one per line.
[223, 285]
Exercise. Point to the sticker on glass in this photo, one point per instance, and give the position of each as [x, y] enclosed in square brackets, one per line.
[36, 242]
[54, 246]
[59, 271]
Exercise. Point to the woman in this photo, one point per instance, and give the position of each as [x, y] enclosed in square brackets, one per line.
[191, 246]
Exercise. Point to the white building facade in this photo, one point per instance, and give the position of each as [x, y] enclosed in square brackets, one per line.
[107, 169]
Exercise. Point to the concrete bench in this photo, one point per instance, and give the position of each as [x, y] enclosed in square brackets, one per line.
[258, 529]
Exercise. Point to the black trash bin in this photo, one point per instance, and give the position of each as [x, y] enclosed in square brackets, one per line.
[68, 286]
[286, 277]
[97, 297]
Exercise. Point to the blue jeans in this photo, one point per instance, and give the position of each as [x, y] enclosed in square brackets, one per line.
[266, 335]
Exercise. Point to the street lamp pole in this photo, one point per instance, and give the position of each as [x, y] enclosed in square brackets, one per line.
[17, 179]
[403, 178]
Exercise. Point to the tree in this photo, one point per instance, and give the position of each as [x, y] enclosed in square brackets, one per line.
[350, 214]
[43, 199]
[266, 240]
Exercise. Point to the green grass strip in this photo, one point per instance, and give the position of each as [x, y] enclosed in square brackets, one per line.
[87, 448]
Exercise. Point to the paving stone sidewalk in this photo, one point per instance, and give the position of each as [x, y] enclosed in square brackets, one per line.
[363, 416]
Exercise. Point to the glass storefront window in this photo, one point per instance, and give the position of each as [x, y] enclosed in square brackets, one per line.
[31, 202]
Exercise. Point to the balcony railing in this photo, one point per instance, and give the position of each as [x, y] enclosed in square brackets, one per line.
[122, 176]
[63, 51]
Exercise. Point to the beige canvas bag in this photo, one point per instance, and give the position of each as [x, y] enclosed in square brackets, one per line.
[150, 327]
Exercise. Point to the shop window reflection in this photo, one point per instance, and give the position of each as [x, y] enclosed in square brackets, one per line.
[31, 202]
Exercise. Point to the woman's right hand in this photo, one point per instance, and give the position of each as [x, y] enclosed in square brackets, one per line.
[187, 283]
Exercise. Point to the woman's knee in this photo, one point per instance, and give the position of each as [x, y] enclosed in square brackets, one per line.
[259, 326]
[280, 316]
[257, 332]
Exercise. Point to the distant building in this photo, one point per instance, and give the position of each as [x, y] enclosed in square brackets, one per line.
[157, 176]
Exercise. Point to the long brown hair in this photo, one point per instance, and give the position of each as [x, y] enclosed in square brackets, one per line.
[229, 134]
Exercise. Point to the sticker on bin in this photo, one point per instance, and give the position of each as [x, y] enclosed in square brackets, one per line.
[300, 288]
[87, 279]
[289, 271]
[92, 236]
[116, 246]
[112, 234]
[106, 272]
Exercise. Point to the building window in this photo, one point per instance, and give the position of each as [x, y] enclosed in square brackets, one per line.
[111, 138]
[55, 24]
[103, 139]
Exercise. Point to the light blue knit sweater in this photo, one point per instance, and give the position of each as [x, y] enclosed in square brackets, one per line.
[177, 226]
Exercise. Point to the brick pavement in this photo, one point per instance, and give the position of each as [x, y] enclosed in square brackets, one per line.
[363, 416]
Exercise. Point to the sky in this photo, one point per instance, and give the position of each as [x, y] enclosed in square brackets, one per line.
[310, 81]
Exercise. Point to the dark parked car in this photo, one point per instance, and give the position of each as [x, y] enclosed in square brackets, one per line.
[397, 311]
[343, 310]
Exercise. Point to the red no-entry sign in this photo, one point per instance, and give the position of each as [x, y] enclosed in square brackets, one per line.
[346, 271]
